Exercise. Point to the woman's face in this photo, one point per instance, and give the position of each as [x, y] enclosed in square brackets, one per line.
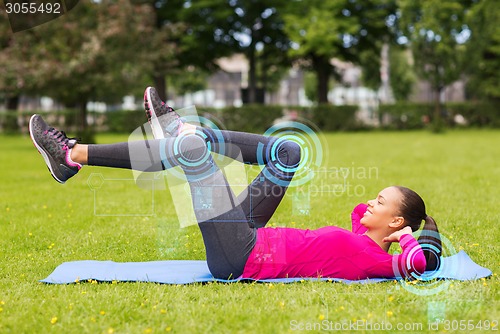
[382, 210]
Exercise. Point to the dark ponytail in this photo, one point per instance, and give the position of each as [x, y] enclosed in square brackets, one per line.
[413, 211]
[431, 243]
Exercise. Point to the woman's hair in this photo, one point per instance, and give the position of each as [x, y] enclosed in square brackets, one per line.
[412, 209]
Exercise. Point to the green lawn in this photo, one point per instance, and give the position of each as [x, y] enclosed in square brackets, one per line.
[44, 224]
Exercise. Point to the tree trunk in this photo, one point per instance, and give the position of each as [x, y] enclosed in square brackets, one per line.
[82, 117]
[322, 68]
[10, 124]
[263, 77]
[13, 102]
[84, 132]
[161, 86]
[437, 122]
[252, 77]
[158, 77]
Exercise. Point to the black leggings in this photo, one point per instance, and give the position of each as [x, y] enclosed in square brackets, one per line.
[228, 223]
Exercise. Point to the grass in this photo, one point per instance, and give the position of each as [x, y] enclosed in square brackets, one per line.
[44, 224]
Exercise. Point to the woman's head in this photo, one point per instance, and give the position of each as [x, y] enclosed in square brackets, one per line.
[396, 207]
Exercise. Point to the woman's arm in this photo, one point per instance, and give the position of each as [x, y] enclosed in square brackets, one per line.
[356, 216]
[411, 263]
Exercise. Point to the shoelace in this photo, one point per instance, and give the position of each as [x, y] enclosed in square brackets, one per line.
[60, 136]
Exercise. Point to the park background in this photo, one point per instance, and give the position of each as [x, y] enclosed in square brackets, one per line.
[410, 88]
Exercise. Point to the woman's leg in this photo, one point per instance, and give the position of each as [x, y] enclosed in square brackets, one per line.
[280, 159]
[227, 236]
[228, 243]
[258, 202]
[230, 237]
[228, 225]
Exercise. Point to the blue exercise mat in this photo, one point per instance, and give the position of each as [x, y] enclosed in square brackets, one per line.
[459, 267]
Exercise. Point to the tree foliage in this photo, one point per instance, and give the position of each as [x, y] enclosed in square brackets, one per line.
[483, 50]
[254, 28]
[87, 54]
[17, 64]
[102, 50]
[401, 73]
[345, 29]
[191, 80]
[437, 33]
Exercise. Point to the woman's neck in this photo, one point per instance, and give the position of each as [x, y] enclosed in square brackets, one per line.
[378, 236]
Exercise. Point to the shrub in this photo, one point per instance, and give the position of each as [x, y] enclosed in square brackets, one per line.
[248, 118]
[8, 121]
[405, 115]
[123, 120]
[258, 118]
[335, 118]
[479, 114]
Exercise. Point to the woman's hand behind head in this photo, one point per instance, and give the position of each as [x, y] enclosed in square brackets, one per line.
[394, 237]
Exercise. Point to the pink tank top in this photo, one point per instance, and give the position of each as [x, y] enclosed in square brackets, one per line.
[330, 252]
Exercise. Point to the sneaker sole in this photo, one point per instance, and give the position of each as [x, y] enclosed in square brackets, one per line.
[153, 119]
[48, 160]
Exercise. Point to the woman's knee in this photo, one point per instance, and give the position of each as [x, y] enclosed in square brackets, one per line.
[192, 147]
[291, 151]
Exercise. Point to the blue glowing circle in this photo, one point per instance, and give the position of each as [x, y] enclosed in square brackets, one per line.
[201, 167]
[426, 284]
[311, 151]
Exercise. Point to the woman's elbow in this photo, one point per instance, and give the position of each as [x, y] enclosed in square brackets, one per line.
[412, 268]
[419, 263]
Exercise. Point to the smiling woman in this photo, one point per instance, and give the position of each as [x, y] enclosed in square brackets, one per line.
[396, 211]
[238, 244]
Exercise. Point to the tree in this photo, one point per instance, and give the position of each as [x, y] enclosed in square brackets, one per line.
[254, 28]
[344, 29]
[401, 73]
[483, 50]
[436, 30]
[162, 50]
[273, 65]
[193, 37]
[16, 75]
[189, 81]
[86, 54]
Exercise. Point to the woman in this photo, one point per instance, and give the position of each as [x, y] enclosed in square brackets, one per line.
[238, 245]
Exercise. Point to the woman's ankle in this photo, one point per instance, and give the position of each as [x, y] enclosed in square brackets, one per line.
[79, 154]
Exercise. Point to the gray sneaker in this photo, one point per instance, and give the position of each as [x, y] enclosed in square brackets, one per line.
[55, 147]
[163, 119]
